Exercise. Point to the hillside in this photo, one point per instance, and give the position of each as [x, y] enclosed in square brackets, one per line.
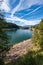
[6, 25]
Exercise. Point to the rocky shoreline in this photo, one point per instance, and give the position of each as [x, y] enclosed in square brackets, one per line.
[18, 50]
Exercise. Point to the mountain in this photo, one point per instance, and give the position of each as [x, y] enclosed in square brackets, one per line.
[11, 26]
[4, 24]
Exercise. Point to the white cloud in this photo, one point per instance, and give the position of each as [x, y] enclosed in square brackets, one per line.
[23, 4]
[28, 3]
[32, 11]
[25, 22]
[5, 6]
[16, 8]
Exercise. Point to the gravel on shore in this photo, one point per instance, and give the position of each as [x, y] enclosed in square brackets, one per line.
[17, 50]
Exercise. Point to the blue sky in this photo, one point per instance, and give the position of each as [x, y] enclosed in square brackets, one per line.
[23, 12]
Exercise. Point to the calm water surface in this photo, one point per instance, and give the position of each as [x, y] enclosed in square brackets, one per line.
[18, 35]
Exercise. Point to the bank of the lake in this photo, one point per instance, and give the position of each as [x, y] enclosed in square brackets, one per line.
[17, 50]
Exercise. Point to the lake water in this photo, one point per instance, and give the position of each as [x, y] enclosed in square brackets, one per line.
[18, 35]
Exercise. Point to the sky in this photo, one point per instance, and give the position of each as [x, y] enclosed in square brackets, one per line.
[22, 12]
